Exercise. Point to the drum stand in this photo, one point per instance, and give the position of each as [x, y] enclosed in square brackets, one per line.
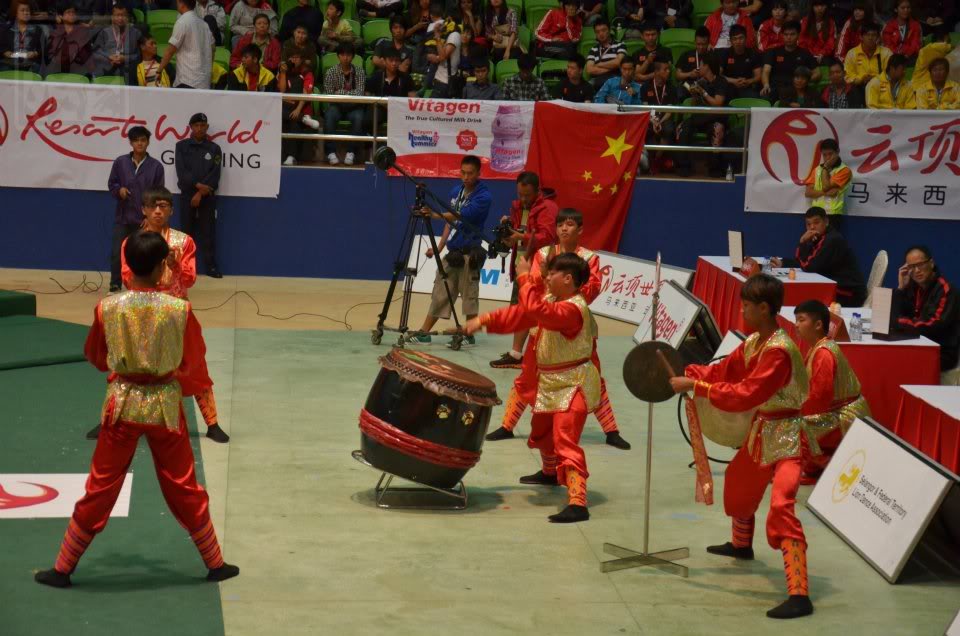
[627, 558]
[383, 487]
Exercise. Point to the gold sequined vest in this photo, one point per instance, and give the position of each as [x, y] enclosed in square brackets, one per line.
[848, 402]
[168, 283]
[144, 333]
[565, 365]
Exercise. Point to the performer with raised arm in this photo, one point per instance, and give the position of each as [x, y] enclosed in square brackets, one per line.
[569, 229]
[765, 379]
[560, 380]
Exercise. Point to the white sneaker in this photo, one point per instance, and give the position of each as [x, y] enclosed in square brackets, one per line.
[290, 161]
[311, 122]
[332, 159]
[348, 159]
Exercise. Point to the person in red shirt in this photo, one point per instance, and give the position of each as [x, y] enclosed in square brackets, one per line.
[763, 380]
[559, 32]
[269, 46]
[818, 33]
[720, 21]
[849, 37]
[903, 34]
[769, 36]
[152, 346]
[564, 383]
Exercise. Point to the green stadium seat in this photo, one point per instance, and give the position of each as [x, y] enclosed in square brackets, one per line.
[109, 80]
[584, 47]
[524, 36]
[374, 30]
[702, 9]
[68, 78]
[668, 36]
[285, 5]
[349, 9]
[221, 56]
[506, 69]
[162, 16]
[368, 66]
[678, 48]
[517, 6]
[161, 33]
[355, 25]
[329, 60]
[22, 76]
[535, 15]
[139, 17]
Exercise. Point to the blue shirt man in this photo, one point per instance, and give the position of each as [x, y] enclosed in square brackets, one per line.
[620, 90]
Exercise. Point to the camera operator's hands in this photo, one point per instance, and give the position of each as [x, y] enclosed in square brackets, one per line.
[473, 326]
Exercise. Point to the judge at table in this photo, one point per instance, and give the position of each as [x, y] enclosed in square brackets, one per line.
[823, 250]
[927, 305]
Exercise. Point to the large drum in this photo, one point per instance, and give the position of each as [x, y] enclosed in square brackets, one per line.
[425, 418]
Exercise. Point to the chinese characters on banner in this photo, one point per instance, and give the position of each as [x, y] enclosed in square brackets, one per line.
[675, 315]
[905, 164]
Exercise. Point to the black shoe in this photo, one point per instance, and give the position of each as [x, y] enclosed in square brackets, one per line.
[794, 607]
[506, 361]
[213, 272]
[728, 550]
[499, 434]
[222, 573]
[94, 432]
[614, 439]
[115, 288]
[217, 434]
[52, 578]
[570, 514]
[539, 478]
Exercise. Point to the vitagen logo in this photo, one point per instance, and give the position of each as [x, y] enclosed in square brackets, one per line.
[423, 138]
[796, 134]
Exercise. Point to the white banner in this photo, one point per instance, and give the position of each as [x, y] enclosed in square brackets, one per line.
[67, 135]
[38, 496]
[675, 315]
[904, 163]
[494, 284]
[879, 497]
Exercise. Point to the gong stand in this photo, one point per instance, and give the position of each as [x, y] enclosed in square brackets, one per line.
[627, 558]
[385, 489]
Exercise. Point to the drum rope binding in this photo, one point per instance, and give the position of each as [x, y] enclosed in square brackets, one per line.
[392, 437]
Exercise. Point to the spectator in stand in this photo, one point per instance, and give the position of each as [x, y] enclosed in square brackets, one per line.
[936, 14]
[481, 88]
[688, 66]
[892, 89]
[192, 43]
[115, 49]
[251, 75]
[260, 37]
[303, 44]
[742, 66]
[903, 34]
[590, 11]
[573, 88]
[631, 13]
[559, 31]
[780, 63]
[502, 31]
[417, 22]
[671, 14]
[336, 29]
[866, 61]
[659, 91]
[941, 93]
[379, 8]
[344, 79]
[71, 46]
[390, 81]
[147, 74]
[754, 8]
[604, 58]
[650, 52]
[214, 15]
[305, 15]
[244, 14]
[132, 174]
[470, 53]
[297, 80]
[720, 21]
[711, 90]
[398, 43]
[198, 160]
[525, 86]
[446, 60]
[621, 90]
[939, 46]
[849, 36]
[818, 33]
[470, 17]
[770, 34]
[838, 94]
[800, 94]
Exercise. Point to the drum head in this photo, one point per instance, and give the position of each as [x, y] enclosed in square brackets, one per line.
[645, 374]
[442, 376]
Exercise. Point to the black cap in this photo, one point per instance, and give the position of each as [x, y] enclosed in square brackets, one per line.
[199, 118]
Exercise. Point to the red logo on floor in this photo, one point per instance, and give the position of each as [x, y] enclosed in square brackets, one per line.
[8, 501]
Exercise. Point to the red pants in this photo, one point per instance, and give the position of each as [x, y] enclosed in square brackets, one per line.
[559, 434]
[746, 482]
[173, 460]
[828, 445]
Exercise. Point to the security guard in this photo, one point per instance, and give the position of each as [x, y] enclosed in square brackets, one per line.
[198, 162]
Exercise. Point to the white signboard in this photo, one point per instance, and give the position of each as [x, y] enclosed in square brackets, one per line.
[35, 496]
[675, 315]
[75, 131]
[494, 284]
[954, 629]
[879, 496]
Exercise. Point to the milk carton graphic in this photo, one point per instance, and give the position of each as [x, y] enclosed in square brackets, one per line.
[511, 136]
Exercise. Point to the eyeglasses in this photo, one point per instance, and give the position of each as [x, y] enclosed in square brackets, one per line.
[163, 206]
[915, 266]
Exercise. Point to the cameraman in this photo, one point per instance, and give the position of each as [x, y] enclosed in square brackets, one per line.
[534, 215]
[465, 253]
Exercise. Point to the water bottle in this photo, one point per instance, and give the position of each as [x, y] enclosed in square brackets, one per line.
[856, 328]
[729, 172]
[768, 265]
[508, 150]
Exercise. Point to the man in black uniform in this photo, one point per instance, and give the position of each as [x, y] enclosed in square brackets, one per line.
[741, 65]
[198, 162]
[780, 63]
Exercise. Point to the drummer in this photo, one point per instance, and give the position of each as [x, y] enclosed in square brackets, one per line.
[567, 383]
[765, 374]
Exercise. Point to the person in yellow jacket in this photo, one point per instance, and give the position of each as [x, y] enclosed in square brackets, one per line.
[938, 48]
[868, 60]
[892, 89]
[147, 69]
[941, 93]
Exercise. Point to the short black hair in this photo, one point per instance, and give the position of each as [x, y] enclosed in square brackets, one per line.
[138, 132]
[816, 310]
[940, 32]
[144, 251]
[701, 32]
[67, 5]
[471, 160]
[391, 54]
[778, 4]
[529, 178]
[815, 211]
[897, 60]
[571, 214]
[120, 5]
[870, 27]
[791, 25]
[569, 263]
[658, 63]
[346, 48]
[926, 251]
[713, 62]
[764, 288]
[527, 61]
[338, 5]
[649, 26]
[263, 16]
[629, 59]
[190, 4]
[940, 61]
[737, 29]
[153, 196]
[829, 144]
[252, 50]
[602, 20]
[396, 19]
[435, 9]
[577, 59]
[564, 3]
[143, 39]
[836, 62]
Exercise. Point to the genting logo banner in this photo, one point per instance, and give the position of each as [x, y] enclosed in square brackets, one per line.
[904, 163]
[67, 135]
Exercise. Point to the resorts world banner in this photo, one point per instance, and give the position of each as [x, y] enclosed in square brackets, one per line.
[66, 135]
[905, 164]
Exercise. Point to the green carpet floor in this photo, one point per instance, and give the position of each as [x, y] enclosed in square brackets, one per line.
[142, 575]
[14, 303]
[28, 341]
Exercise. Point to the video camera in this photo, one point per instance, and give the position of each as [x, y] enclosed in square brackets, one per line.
[501, 232]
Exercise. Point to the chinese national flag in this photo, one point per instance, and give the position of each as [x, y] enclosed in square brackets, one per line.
[590, 158]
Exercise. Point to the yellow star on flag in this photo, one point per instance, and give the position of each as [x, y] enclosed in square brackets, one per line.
[616, 147]
[597, 189]
[587, 175]
[613, 189]
[627, 176]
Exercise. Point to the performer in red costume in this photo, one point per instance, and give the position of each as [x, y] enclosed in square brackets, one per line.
[152, 346]
[765, 378]
[569, 229]
[560, 379]
[179, 275]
